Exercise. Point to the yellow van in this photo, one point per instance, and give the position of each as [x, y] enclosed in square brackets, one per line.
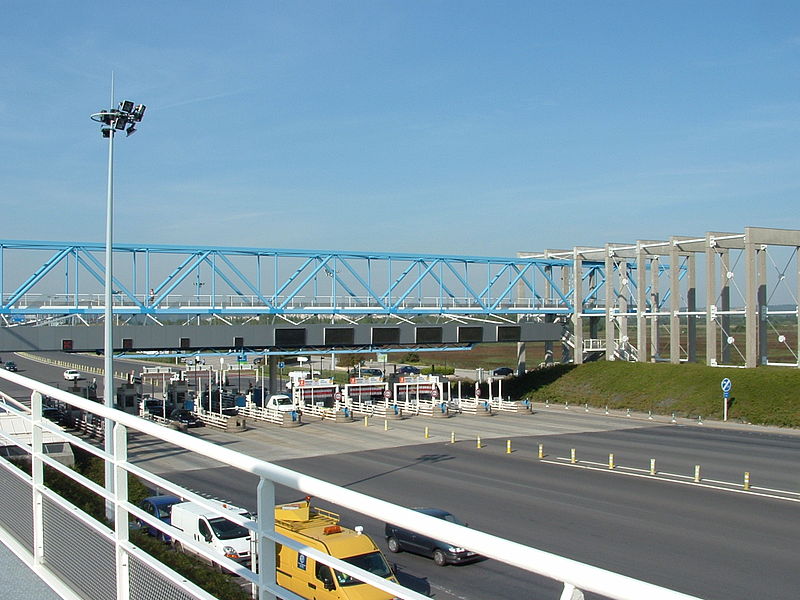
[320, 529]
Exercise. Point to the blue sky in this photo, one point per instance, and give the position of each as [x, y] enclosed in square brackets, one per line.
[456, 127]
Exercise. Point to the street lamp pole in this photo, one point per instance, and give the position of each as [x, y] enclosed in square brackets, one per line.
[112, 120]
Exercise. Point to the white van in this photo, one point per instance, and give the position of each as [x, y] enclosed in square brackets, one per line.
[281, 402]
[210, 527]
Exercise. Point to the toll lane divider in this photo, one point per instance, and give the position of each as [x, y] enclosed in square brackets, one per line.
[694, 479]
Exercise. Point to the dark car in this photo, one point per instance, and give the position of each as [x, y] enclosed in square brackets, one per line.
[503, 371]
[367, 372]
[11, 366]
[442, 553]
[408, 370]
[161, 508]
[187, 417]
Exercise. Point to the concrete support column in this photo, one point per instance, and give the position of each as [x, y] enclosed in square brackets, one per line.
[548, 345]
[577, 312]
[521, 359]
[725, 304]
[711, 303]
[655, 299]
[610, 268]
[751, 311]
[566, 350]
[641, 303]
[674, 305]
[272, 362]
[691, 306]
[761, 325]
[623, 305]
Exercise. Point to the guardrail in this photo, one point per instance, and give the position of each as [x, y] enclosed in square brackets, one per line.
[43, 527]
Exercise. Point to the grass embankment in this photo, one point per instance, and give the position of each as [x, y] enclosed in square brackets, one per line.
[766, 395]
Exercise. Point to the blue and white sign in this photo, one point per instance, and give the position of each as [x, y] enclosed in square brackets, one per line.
[726, 385]
[281, 365]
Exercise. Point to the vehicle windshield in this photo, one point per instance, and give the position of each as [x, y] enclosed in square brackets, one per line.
[164, 510]
[372, 562]
[283, 401]
[228, 530]
[452, 519]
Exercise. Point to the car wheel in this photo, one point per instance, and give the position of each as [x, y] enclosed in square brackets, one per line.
[439, 558]
[394, 545]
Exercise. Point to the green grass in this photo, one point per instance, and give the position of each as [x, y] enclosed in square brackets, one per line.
[766, 395]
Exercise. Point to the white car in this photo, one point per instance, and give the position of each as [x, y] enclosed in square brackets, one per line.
[71, 375]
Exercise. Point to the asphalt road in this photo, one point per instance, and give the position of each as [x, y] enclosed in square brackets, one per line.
[703, 541]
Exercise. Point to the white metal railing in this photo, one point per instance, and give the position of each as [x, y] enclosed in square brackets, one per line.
[126, 561]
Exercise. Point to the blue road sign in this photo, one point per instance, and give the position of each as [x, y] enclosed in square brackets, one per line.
[726, 385]
[726, 394]
[281, 364]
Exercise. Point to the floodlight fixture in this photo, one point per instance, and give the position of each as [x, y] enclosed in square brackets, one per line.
[138, 112]
[130, 130]
[126, 106]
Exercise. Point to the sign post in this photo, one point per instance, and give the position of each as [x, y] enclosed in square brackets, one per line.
[726, 385]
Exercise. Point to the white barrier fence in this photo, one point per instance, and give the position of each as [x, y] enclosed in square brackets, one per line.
[44, 529]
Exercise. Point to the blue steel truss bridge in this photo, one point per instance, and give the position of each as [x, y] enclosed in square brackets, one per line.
[631, 301]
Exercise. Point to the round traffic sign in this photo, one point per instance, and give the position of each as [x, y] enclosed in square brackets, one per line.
[387, 394]
[435, 393]
[338, 395]
[726, 385]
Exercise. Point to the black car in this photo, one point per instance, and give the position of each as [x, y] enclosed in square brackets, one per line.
[187, 417]
[502, 371]
[11, 366]
[399, 539]
[408, 370]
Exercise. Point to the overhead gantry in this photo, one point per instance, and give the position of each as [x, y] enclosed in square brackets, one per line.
[649, 300]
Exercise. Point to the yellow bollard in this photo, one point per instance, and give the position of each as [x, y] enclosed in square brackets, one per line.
[652, 466]
[426, 433]
[746, 480]
[366, 421]
[697, 473]
[508, 446]
[452, 437]
[610, 461]
[385, 425]
[541, 450]
[479, 441]
[572, 458]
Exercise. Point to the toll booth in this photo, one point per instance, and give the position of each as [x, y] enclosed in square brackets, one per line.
[367, 390]
[419, 388]
[321, 393]
[178, 392]
[216, 400]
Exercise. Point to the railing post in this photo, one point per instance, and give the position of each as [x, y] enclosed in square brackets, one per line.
[264, 560]
[571, 593]
[37, 475]
[120, 491]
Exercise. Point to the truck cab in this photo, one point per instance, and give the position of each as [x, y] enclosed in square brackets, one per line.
[320, 529]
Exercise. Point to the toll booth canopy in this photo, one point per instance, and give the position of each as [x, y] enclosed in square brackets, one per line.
[322, 393]
[366, 389]
[424, 388]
